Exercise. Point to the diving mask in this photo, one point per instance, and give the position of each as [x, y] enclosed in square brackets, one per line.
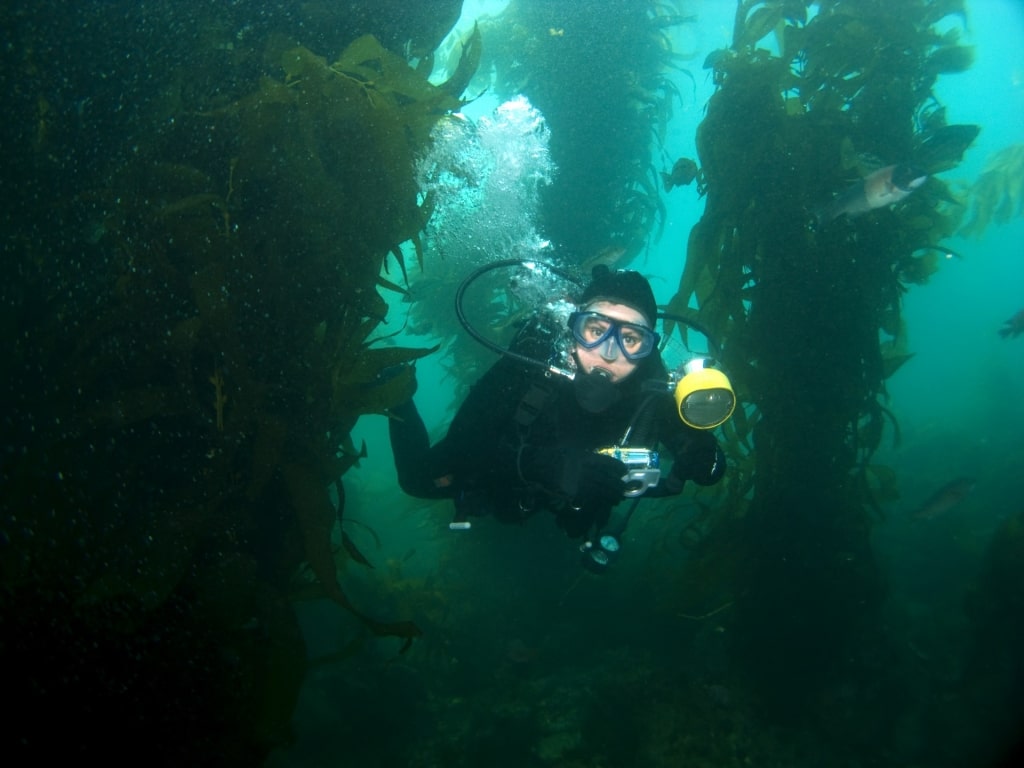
[703, 395]
[592, 330]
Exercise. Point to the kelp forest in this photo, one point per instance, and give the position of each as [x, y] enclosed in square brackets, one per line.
[808, 309]
[210, 213]
[192, 318]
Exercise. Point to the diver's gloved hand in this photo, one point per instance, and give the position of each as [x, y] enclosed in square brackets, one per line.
[700, 460]
[601, 481]
[391, 389]
[582, 476]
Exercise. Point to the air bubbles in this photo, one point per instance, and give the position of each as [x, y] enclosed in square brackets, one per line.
[484, 181]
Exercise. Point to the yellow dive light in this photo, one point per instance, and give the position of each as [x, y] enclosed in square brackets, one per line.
[704, 396]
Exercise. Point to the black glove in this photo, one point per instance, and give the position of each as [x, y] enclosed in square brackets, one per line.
[700, 460]
[583, 477]
[601, 481]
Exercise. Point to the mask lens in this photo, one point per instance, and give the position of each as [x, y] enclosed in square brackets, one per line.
[635, 340]
[590, 328]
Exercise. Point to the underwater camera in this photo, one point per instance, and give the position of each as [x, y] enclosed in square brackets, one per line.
[642, 468]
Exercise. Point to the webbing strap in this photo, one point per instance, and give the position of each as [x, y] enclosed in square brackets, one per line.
[531, 404]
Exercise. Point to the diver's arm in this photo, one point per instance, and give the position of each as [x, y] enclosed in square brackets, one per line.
[702, 458]
[479, 439]
[696, 455]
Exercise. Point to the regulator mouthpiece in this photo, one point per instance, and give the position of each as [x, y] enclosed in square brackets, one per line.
[595, 392]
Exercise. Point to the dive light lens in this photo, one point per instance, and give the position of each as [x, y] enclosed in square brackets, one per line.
[707, 408]
[704, 396]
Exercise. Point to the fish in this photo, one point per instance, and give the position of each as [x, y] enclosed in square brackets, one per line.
[683, 173]
[1013, 327]
[886, 186]
[944, 499]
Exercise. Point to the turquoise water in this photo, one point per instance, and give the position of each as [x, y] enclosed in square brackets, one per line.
[960, 410]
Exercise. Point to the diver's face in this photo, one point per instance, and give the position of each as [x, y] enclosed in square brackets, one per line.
[608, 357]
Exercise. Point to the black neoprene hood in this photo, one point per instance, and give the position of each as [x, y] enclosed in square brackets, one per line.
[622, 287]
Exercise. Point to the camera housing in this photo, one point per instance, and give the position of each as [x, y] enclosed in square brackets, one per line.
[642, 468]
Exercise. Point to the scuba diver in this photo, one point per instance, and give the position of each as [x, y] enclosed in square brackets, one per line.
[575, 441]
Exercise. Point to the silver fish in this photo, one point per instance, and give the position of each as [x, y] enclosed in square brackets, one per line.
[886, 186]
[944, 499]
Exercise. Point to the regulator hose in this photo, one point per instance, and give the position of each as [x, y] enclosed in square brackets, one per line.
[504, 264]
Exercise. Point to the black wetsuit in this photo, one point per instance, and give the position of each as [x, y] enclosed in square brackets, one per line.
[515, 415]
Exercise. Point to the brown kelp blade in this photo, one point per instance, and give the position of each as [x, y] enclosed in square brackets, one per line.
[353, 550]
[315, 513]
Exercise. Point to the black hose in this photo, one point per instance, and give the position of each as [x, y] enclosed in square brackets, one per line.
[628, 436]
[504, 263]
[695, 326]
